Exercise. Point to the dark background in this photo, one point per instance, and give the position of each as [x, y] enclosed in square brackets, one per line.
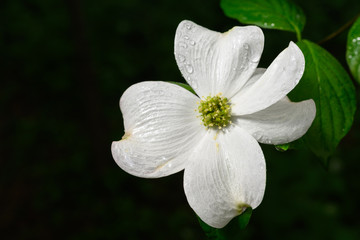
[65, 64]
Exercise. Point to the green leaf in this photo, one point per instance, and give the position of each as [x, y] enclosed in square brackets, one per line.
[328, 84]
[282, 147]
[274, 14]
[187, 87]
[353, 50]
[244, 218]
[231, 231]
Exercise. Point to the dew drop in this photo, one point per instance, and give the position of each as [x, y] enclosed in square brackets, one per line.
[192, 42]
[194, 84]
[186, 37]
[256, 59]
[182, 44]
[189, 68]
[188, 26]
[181, 58]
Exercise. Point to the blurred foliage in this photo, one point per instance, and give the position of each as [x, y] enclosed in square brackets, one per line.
[64, 66]
[353, 49]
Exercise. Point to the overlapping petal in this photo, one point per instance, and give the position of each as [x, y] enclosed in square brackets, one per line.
[212, 62]
[226, 174]
[161, 128]
[280, 123]
[279, 79]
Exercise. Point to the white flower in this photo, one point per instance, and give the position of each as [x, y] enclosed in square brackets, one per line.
[214, 138]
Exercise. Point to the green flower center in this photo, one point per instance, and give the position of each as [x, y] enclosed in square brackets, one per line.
[215, 111]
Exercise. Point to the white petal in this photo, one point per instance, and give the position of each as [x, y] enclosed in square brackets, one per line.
[160, 129]
[212, 62]
[279, 79]
[280, 123]
[256, 76]
[225, 176]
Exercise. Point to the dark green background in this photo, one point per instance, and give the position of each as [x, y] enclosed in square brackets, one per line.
[65, 64]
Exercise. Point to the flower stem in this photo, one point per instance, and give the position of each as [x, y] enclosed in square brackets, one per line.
[340, 30]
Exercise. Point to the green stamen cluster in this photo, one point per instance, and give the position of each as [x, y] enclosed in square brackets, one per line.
[215, 111]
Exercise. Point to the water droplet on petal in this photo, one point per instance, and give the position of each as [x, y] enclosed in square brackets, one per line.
[256, 59]
[246, 46]
[186, 37]
[182, 44]
[181, 58]
[194, 84]
[189, 68]
[192, 42]
[188, 26]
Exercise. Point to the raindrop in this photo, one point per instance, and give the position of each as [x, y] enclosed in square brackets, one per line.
[194, 84]
[182, 44]
[189, 68]
[181, 58]
[256, 59]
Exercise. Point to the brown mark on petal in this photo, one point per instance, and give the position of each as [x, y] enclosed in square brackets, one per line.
[126, 136]
[241, 207]
[162, 165]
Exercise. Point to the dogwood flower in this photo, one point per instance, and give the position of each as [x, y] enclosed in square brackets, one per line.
[213, 136]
